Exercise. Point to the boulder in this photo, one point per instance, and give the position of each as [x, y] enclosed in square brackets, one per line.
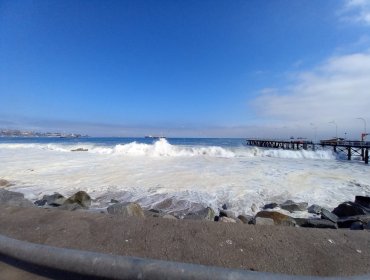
[246, 219]
[363, 201]
[292, 206]
[348, 208]
[55, 199]
[264, 221]
[348, 221]
[153, 213]
[4, 183]
[14, 199]
[278, 218]
[204, 214]
[270, 206]
[114, 201]
[357, 226]
[327, 215]
[126, 209]
[316, 223]
[314, 209]
[367, 226]
[41, 202]
[227, 213]
[81, 198]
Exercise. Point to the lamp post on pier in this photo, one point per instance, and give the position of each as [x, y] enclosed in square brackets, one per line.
[363, 135]
[336, 129]
[315, 130]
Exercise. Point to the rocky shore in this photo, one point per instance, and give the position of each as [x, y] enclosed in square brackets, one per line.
[354, 215]
[269, 241]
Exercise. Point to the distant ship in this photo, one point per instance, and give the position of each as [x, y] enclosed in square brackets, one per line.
[154, 137]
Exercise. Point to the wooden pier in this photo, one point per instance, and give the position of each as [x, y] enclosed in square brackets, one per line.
[350, 148]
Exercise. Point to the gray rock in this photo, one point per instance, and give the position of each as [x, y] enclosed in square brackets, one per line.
[316, 223]
[246, 219]
[227, 213]
[14, 199]
[314, 209]
[41, 202]
[363, 201]
[348, 208]
[270, 206]
[327, 215]
[55, 199]
[114, 201]
[278, 218]
[225, 206]
[81, 198]
[264, 221]
[126, 209]
[292, 206]
[357, 226]
[227, 220]
[204, 214]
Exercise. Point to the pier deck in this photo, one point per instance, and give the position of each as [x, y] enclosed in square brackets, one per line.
[350, 148]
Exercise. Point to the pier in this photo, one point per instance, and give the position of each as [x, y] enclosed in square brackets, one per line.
[349, 148]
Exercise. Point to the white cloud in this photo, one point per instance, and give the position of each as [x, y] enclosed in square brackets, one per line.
[356, 11]
[338, 89]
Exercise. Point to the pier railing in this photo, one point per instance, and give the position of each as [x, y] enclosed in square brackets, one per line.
[349, 147]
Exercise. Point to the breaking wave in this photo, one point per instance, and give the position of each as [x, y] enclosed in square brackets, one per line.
[161, 148]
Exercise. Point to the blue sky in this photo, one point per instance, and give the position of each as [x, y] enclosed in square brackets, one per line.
[185, 68]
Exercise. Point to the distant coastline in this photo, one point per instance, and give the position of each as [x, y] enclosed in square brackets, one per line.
[20, 133]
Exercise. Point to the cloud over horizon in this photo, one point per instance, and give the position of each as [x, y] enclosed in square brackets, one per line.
[338, 89]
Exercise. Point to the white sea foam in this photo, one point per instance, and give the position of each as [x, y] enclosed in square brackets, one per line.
[162, 148]
[183, 176]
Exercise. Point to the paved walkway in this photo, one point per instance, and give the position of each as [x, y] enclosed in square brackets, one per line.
[274, 249]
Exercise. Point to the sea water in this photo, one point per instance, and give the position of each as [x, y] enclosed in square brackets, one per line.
[180, 174]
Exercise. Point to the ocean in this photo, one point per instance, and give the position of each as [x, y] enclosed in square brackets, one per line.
[180, 174]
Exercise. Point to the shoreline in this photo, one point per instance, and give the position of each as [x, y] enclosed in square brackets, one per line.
[268, 242]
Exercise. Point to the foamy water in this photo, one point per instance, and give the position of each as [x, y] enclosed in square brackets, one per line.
[188, 175]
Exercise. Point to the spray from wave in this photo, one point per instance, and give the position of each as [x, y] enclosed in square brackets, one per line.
[162, 148]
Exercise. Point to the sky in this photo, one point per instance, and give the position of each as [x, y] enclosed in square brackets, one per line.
[255, 68]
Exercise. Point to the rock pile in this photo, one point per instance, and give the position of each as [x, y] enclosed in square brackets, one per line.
[352, 215]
